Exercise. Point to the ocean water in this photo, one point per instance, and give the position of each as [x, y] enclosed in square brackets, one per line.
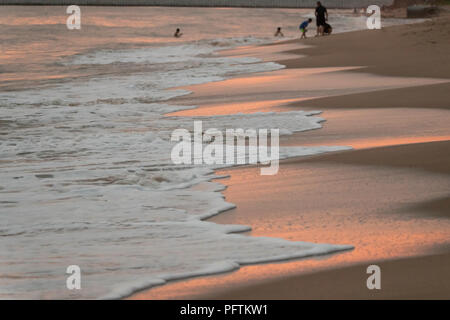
[86, 177]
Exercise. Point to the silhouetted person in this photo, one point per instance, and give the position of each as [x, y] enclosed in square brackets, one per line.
[279, 33]
[177, 33]
[321, 17]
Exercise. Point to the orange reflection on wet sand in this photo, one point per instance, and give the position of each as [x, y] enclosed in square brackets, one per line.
[266, 53]
[249, 92]
[238, 107]
[324, 204]
[372, 143]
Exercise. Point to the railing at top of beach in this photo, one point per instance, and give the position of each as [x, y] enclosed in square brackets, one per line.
[208, 3]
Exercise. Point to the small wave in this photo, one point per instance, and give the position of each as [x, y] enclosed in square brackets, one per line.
[98, 188]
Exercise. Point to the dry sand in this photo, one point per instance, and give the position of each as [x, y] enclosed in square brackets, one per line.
[390, 198]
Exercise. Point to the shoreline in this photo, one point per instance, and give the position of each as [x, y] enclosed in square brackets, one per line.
[349, 282]
[207, 287]
[82, 152]
[264, 281]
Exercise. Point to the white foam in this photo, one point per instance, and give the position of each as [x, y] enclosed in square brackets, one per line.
[87, 179]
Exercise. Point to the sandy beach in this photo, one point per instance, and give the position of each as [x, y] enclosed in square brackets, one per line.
[97, 204]
[389, 197]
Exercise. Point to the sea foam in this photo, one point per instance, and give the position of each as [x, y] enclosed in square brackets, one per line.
[87, 180]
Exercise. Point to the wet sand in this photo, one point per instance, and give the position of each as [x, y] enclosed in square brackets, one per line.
[392, 207]
[410, 278]
[389, 197]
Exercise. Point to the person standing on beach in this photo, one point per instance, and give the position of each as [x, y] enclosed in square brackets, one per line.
[303, 29]
[321, 18]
